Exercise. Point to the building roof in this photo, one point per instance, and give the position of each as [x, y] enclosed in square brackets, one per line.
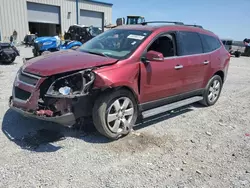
[100, 2]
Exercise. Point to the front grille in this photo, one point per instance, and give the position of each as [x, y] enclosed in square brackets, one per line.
[28, 79]
[21, 94]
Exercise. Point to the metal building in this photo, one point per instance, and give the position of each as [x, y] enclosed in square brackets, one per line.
[50, 17]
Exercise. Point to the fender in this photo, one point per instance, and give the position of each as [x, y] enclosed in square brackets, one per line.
[72, 44]
[46, 43]
[114, 76]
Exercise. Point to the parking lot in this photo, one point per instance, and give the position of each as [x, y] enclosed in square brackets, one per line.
[189, 147]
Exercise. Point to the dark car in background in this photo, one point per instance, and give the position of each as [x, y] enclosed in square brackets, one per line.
[8, 53]
[82, 33]
[235, 48]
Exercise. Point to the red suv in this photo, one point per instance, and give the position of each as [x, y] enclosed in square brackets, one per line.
[123, 73]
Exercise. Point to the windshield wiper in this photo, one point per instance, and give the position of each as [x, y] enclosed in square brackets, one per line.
[97, 53]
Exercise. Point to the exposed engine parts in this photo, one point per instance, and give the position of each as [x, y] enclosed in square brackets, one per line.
[72, 85]
[59, 95]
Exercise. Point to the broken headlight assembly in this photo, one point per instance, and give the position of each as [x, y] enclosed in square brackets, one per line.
[72, 85]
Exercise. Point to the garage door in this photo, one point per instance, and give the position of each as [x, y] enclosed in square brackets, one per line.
[43, 13]
[93, 18]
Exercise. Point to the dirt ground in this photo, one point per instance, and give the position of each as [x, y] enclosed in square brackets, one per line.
[190, 147]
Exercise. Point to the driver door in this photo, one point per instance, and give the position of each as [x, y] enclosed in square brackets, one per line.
[161, 80]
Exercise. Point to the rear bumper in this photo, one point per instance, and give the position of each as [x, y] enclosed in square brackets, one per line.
[65, 119]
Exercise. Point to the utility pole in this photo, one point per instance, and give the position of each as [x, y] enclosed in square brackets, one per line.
[77, 20]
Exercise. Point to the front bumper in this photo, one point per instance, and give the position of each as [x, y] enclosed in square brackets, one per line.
[26, 99]
[25, 96]
[65, 119]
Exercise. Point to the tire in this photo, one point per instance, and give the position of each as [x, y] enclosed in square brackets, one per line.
[13, 59]
[36, 54]
[9, 62]
[237, 54]
[107, 105]
[211, 88]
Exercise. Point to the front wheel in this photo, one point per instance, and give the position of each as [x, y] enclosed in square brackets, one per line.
[212, 91]
[115, 113]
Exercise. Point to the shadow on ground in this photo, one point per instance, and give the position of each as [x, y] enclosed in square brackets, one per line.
[41, 136]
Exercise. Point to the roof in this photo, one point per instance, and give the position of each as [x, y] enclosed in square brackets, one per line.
[100, 2]
[169, 27]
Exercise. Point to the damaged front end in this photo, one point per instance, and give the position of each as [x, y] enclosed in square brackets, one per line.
[61, 98]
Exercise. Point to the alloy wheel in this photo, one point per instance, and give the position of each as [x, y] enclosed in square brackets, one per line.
[120, 114]
[214, 91]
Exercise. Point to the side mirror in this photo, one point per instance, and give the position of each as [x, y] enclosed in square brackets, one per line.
[154, 56]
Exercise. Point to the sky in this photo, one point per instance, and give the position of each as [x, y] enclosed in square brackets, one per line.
[226, 18]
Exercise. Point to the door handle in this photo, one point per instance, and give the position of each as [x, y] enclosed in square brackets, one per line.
[206, 62]
[177, 67]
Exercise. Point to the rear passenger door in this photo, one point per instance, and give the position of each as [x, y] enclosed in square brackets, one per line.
[211, 46]
[193, 60]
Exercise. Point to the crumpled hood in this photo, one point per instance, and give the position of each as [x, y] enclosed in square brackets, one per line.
[64, 61]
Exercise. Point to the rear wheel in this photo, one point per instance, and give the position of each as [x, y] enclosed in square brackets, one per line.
[212, 91]
[115, 113]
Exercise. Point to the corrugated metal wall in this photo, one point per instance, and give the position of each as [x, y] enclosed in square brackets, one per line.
[13, 14]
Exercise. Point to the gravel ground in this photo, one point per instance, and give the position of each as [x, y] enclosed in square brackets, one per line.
[189, 147]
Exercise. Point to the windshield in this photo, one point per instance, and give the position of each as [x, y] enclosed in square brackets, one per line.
[116, 43]
[135, 20]
[94, 31]
[72, 29]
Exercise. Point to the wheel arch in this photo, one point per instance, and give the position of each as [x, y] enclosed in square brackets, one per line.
[221, 74]
[122, 87]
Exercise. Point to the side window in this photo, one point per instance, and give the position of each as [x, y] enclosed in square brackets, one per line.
[210, 43]
[164, 44]
[189, 43]
[205, 43]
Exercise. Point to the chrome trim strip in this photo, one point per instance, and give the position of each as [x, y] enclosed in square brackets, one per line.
[26, 83]
[31, 75]
[158, 58]
[177, 57]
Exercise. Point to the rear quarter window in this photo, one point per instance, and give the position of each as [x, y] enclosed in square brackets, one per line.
[189, 43]
[210, 43]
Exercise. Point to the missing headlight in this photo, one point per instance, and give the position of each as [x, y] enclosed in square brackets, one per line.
[72, 85]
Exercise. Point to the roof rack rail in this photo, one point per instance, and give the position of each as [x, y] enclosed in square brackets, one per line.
[194, 25]
[176, 23]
